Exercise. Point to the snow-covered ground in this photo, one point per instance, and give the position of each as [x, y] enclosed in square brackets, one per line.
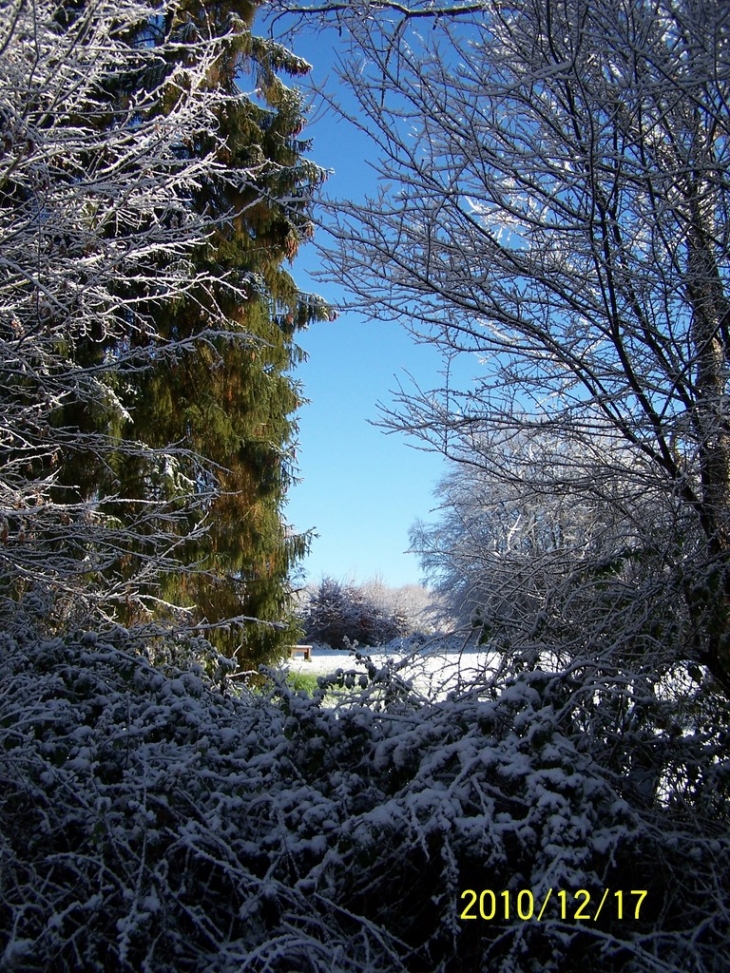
[436, 666]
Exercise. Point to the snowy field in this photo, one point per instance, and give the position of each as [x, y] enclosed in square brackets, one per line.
[436, 667]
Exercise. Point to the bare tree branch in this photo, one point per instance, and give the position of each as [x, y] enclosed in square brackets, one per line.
[554, 203]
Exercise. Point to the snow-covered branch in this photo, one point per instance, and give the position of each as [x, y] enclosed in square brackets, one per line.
[553, 203]
[101, 129]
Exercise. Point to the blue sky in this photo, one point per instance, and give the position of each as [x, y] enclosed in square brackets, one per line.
[361, 489]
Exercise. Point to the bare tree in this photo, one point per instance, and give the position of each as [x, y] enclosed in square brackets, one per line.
[96, 171]
[555, 572]
[554, 202]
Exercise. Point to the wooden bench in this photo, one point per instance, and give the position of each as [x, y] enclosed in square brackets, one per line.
[305, 649]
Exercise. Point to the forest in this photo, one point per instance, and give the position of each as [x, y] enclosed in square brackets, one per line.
[553, 208]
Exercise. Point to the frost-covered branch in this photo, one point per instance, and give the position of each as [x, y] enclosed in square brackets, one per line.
[100, 156]
[155, 820]
[553, 207]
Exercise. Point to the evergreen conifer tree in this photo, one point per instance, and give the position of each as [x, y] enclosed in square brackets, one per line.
[222, 413]
[234, 402]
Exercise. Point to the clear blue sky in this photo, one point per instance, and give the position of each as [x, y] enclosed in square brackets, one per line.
[361, 489]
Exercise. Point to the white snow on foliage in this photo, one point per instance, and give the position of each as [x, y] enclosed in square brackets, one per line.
[433, 666]
[154, 820]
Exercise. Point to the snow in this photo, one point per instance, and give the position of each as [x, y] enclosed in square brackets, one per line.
[185, 824]
[435, 667]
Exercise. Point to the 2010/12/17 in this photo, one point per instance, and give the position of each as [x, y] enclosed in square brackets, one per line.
[525, 904]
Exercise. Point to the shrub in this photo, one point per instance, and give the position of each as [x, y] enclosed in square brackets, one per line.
[156, 821]
[340, 614]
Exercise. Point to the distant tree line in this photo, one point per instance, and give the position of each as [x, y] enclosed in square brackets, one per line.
[340, 613]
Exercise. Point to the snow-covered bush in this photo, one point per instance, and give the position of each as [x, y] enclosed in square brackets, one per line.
[137, 828]
[155, 821]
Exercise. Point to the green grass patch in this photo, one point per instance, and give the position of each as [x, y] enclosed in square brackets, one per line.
[302, 680]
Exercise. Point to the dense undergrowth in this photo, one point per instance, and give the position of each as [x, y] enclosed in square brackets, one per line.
[158, 820]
